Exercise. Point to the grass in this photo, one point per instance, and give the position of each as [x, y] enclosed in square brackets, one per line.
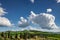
[28, 35]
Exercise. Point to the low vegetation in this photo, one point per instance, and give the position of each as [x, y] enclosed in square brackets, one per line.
[28, 35]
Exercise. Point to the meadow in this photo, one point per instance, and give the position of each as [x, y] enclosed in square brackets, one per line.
[28, 35]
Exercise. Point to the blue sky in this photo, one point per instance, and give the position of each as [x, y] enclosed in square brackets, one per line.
[18, 8]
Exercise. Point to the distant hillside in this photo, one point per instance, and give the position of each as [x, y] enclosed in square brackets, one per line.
[31, 34]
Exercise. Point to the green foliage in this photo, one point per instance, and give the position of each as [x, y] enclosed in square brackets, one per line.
[32, 34]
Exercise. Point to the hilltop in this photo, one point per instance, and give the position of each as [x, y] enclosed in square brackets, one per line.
[31, 34]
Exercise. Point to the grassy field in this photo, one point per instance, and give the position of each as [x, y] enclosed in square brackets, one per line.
[28, 35]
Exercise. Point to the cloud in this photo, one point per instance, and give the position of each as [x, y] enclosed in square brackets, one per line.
[49, 10]
[32, 14]
[44, 20]
[32, 1]
[2, 12]
[40, 29]
[23, 22]
[5, 22]
[39, 22]
[58, 1]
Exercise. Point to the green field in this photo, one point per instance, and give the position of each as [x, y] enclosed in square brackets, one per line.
[28, 35]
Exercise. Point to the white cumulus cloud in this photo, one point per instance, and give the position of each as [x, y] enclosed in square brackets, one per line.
[40, 22]
[58, 1]
[46, 21]
[2, 12]
[32, 1]
[49, 10]
[32, 14]
[5, 22]
[23, 22]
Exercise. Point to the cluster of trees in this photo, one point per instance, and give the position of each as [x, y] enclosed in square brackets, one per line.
[20, 35]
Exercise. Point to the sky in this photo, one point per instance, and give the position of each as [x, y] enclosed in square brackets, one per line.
[26, 14]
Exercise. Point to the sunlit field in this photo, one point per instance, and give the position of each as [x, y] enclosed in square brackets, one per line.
[28, 35]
